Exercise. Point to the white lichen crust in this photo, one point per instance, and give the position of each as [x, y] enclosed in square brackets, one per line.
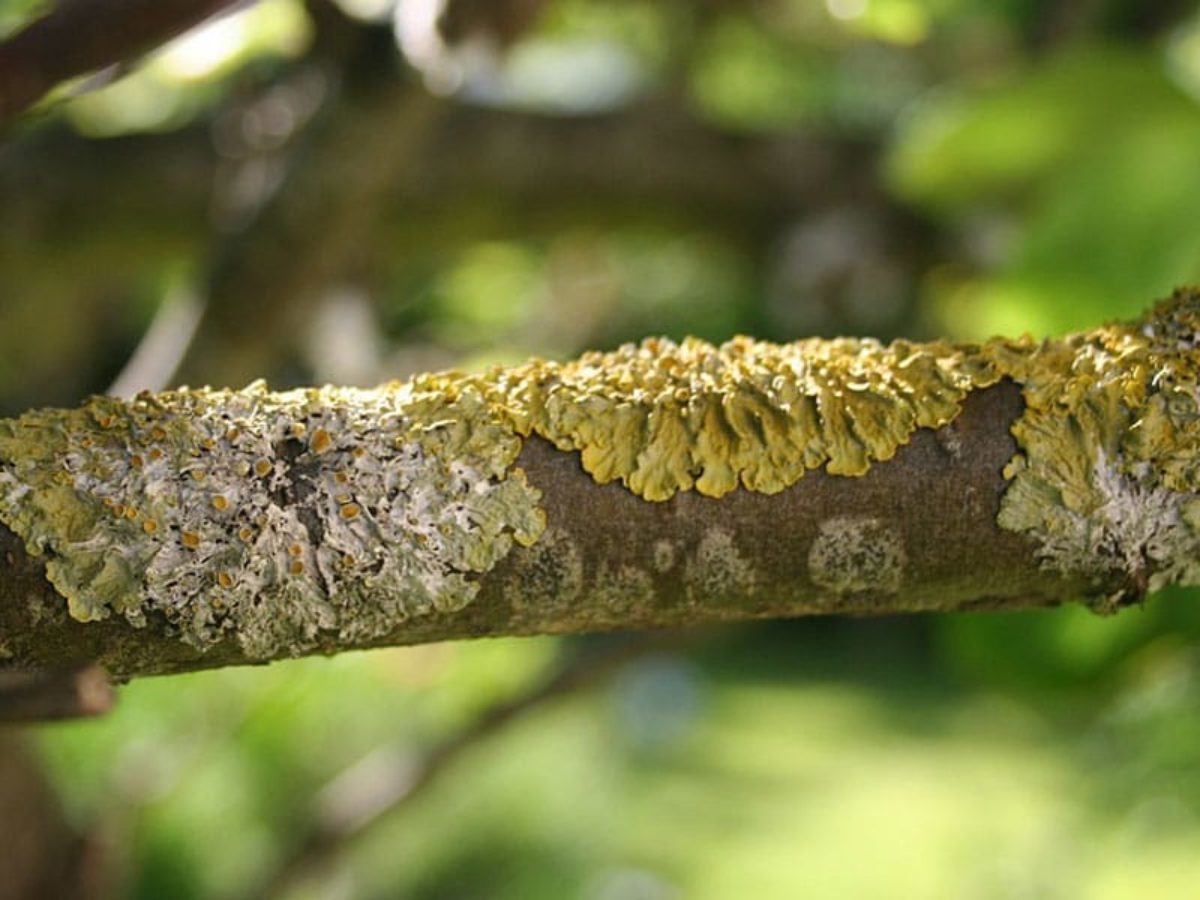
[1149, 533]
[271, 517]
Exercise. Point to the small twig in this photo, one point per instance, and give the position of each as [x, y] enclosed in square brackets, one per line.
[47, 695]
[162, 347]
[389, 777]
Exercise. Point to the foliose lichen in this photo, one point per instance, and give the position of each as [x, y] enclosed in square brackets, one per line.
[1108, 475]
[662, 417]
[271, 516]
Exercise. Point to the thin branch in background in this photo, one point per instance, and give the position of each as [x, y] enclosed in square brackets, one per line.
[78, 37]
[349, 163]
[62, 694]
[390, 777]
[162, 347]
[264, 279]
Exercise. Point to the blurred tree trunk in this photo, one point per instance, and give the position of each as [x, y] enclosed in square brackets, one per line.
[43, 855]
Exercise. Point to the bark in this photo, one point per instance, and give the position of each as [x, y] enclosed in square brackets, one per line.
[941, 492]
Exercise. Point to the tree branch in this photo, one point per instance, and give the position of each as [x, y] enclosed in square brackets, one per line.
[206, 528]
[67, 694]
[376, 787]
[602, 540]
[81, 36]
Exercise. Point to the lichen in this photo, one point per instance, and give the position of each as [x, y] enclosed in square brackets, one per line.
[274, 517]
[662, 417]
[1109, 468]
[664, 556]
[717, 570]
[548, 577]
[852, 554]
[618, 590]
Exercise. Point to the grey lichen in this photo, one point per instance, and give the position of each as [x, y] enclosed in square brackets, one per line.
[549, 575]
[664, 556]
[271, 517]
[857, 554]
[618, 590]
[717, 570]
[1147, 534]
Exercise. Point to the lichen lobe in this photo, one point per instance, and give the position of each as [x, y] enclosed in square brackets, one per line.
[662, 417]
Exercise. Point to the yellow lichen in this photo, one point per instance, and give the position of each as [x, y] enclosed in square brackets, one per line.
[321, 441]
[1112, 422]
[1109, 466]
[662, 417]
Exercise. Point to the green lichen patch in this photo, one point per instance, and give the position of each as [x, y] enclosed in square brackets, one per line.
[274, 517]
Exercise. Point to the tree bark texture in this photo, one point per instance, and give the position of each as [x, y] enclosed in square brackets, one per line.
[1024, 474]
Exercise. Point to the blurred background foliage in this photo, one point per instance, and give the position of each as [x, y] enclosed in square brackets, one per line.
[336, 196]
